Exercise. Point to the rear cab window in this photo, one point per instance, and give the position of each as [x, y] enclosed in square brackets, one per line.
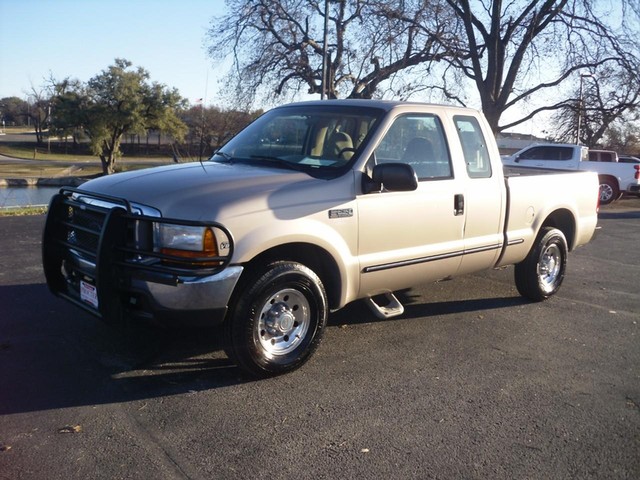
[474, 146]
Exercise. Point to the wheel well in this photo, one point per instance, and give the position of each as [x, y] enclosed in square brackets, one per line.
[312, 256]
[562, 220]
[614, 180]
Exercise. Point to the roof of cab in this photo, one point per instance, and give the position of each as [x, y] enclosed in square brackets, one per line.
[386, 105]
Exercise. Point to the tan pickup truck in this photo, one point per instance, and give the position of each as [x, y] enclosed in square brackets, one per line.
[313, 206]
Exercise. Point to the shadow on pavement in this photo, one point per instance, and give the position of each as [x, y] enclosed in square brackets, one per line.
[54, 356]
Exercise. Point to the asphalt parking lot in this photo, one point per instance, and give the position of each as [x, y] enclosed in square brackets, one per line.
[471, 382]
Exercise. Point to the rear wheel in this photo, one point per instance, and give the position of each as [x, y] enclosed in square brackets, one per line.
[609, 191]
[541, 273]
[277, 323]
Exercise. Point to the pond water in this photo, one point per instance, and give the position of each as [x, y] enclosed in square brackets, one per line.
[26, 196]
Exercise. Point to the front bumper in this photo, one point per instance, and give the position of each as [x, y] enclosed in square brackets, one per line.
[192, 301]
[100, 257]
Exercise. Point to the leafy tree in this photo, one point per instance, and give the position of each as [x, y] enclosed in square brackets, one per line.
[118, 101]
[13, 110]
[70, 101]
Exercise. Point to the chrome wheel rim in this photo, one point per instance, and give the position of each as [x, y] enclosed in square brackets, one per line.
[283, 322]
[549, 267]
[606, 192]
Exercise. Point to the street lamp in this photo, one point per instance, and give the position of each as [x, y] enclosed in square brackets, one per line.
[581, 106]
[324, 50]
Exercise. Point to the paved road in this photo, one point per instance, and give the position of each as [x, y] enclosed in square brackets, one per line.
[472, 382]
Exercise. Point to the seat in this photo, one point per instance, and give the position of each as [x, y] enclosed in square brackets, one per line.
[336, 143]
[419, 154]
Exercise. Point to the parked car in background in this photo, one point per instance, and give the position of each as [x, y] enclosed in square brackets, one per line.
[615, 178]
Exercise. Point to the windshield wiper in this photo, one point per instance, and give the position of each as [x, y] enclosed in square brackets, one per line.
[279, 162]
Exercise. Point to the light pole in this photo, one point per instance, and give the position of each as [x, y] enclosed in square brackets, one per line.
[324, 50]
[49, 128]
[581, 106]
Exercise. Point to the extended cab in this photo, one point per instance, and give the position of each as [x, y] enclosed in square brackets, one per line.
[313, 206]
[615, 178]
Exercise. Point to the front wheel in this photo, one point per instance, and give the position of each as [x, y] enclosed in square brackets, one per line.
[277, 323]
[541, 273]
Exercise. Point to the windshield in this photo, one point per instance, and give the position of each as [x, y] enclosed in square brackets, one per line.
[320, 140]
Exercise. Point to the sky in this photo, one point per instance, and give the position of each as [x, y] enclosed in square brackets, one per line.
[81, 38]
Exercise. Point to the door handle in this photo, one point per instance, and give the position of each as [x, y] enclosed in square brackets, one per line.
[458, 204]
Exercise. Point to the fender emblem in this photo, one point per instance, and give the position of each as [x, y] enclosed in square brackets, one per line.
[341, 213]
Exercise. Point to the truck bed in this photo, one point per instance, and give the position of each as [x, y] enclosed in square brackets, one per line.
[528, 192]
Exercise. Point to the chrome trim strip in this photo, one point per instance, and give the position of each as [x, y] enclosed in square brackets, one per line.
[432, 258]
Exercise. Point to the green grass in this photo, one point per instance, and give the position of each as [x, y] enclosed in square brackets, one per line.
[17, 130]
[54, 164]
[47, 170]
[22, 211]
[40, 153]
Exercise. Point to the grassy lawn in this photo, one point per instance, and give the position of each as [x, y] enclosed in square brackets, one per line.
[47, 170]
[29, 152]
[47, 165]
[22, 211]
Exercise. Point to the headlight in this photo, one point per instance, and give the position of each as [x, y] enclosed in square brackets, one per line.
[189, 243]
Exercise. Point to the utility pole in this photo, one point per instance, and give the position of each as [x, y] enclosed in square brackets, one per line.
[580, 106]
[323, 89]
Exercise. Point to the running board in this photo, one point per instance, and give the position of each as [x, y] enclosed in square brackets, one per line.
[392, 308]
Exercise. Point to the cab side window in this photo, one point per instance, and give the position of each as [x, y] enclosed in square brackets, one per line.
[474, 147]
[419, 141]
[548, 152]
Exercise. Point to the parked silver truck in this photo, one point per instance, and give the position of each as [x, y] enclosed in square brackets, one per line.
[311, 207]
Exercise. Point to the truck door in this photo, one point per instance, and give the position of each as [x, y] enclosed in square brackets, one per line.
[484, 198]
[407, 238]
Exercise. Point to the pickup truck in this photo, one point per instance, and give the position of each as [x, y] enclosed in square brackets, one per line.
[311, 207]
[615, 178]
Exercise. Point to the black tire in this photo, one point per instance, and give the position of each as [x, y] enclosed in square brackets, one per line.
[609, 191]
[540, 274]
[278, 321]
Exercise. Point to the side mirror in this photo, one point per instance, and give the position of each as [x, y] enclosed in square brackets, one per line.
[394, 177]
[517, 159]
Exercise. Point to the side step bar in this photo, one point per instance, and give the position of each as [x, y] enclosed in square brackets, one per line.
[392, 307]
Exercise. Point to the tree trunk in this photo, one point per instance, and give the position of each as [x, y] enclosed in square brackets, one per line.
[108, 157]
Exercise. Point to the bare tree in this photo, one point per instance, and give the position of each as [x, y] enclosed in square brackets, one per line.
[39, 111]
[518, 51]
[624, 138]
[516, 54]
[608, 95]
[277, 45]
[211, 127]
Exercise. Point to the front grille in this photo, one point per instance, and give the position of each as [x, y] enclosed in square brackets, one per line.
[102, 242]
[84, 228]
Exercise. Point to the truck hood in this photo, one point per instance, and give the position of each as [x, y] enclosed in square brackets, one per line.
[212, 191]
